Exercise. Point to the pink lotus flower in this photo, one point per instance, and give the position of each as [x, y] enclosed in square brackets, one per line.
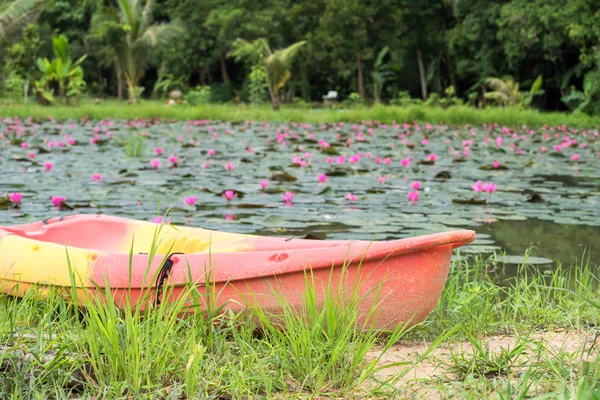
[499, 141]
[354, 159]
[15, 197]
[377, 160]
[264, 183]
[575, 157]
[425, 142]
[229, 195]
[413, 196]
[96, 177]
[387, 161]
[24, 145]
[478, 186]
[350, 196]
[381, 179]
[71, 141]
[173, 160]
[48, 165]
[496, 164]
[557, 148]
[31, 155]
[211, 152]
[489, 188]
[543, 149]
[405, 162]
[155, 163]
[159, 220]
[322, 178]
[158, 150]
[58, 200]
[329, 160]
[190, 200]
[433, 157]
[287, 198]
[229, 166]
[416, 185]
[340, 160]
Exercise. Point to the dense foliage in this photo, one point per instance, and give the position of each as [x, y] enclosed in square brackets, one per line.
[541, 53]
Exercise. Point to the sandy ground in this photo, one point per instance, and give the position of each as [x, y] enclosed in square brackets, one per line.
[435, 369]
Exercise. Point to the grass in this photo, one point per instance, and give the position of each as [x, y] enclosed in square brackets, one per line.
[53, 349]
[386, 114]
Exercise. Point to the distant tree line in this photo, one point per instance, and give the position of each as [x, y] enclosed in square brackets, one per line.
[544, 53]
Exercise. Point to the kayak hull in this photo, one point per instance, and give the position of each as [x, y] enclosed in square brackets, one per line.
[401, 280]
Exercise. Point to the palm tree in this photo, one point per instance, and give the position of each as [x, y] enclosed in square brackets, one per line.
[505, 91]
[138, 36]
[276, 64]
[13, 12]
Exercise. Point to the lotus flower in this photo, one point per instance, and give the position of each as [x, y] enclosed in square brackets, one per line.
[433, 157]
[575, 157]
[477, 187]
[96, 177]
[416, 185]
[229, 166]
[229, 195]
[322, 178]
[190, 200]
[413, 196]
[58, 200]
[48, 165]
[155, 163]
[350, 196]
[264, 183]
[15, 197]
[489, 188]
[159, 220]
[287, 198]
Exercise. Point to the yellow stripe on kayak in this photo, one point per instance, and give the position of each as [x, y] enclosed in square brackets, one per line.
[169, 239]
[33, 261]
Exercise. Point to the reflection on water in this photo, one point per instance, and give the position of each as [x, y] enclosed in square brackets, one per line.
[563, 242]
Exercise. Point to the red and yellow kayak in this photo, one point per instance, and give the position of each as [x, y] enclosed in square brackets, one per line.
[406, 275]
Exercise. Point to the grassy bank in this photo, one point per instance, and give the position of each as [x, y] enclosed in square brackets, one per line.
[386, 114]
[50, 349]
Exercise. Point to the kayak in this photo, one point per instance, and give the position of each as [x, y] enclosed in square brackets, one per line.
[129, 258]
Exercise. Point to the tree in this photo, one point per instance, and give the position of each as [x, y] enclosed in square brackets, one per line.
[138, 36]
[22, 56]
[276, 64]
[13, 12]
[343, 34]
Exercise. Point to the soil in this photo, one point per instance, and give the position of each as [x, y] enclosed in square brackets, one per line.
[424, 379]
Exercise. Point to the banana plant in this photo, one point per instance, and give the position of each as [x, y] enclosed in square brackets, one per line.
[68, 75]
[276, 64]
[381, 74]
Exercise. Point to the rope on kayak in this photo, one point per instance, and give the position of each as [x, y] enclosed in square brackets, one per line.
[60, 219]
[163, 274]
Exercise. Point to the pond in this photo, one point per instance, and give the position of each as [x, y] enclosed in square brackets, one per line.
[348, 181]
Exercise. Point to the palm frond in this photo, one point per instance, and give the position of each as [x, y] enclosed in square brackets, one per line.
[13, 12]
[146, 16]
[159, 34]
